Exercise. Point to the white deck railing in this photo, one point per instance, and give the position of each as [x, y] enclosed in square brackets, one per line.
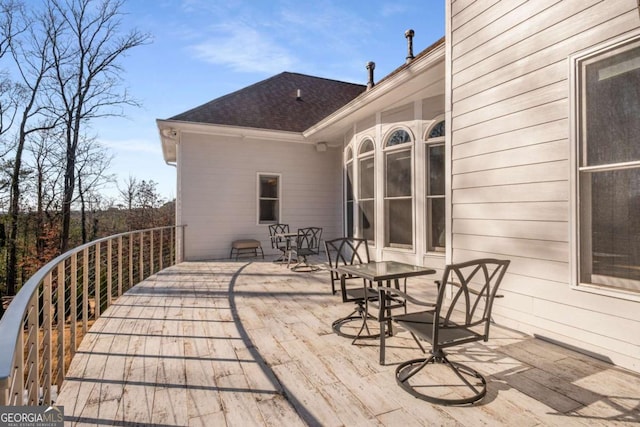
[44, 324]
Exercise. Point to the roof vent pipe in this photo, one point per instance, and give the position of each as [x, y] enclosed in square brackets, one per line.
[409, 35]
[299, 95]
[370, 66]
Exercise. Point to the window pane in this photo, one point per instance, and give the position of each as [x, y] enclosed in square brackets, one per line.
[612, 102]
[437, 131]
[350, 181]
[366, 146]
[436, 221]
[349, 207]
[398, 174]
[367, 178]
[268, 211]
[436, 170]
[399, 223]
[614, 233]
[367, 219]
[269, 186]
[398, 137]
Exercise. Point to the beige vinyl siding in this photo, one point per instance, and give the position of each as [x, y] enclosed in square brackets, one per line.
[218, 191]
[511, 176]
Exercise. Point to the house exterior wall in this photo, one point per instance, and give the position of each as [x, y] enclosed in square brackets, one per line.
[511, 171]
[217, 194]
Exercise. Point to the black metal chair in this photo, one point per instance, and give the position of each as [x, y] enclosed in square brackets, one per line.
[349, 251]
[464, 319]
[307, 243]
[278, 241]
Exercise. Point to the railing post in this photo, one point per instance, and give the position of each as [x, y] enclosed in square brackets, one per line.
[46, 330]
[73, 300]
[96, 279]
[61, 324]
[119, 266]
[109, 274]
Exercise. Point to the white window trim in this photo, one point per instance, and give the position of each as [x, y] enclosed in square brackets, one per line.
[258, 175]
[359, 157]
[427, 142]
[349, 163]
[574, 135]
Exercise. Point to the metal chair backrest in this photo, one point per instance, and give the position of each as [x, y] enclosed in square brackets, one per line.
[278, 241]
[345, 251]
[474, 284]
[308, 240]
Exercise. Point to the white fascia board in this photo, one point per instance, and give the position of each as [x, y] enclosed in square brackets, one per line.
[171, 130]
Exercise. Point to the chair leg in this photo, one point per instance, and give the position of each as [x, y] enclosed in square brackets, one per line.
[359, 313]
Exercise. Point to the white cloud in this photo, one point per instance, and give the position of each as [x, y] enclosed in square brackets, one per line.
[244, 49]
[133, 145]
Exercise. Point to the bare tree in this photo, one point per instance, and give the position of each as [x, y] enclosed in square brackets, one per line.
[45, 159]
[87, 75]
[92, 163]
[31, 58]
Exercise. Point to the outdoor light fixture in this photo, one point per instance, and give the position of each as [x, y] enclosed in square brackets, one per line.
[169, 133]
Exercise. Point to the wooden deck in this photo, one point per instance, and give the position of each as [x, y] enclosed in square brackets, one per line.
[250, 343]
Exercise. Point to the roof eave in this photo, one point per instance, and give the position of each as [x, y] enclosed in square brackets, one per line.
[367, 102]
[171, 132]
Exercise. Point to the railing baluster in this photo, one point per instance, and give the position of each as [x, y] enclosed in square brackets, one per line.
[96, 279]
[109, 275]
[141, 272]
[33, 387]
[130, 261]
[18, 374]
[119, 266]
[73, 288]
[85, 290]
[151, 263]
[61, 323]
[34, 360]
[161, 249]
[46, 345]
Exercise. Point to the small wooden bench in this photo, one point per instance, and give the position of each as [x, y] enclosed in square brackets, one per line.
[246, 246]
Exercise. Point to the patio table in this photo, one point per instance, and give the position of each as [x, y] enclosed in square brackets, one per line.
[379, 272]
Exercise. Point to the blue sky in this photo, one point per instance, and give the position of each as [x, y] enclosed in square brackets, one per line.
[204, 49]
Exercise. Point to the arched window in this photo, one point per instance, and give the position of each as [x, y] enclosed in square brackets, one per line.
[434, 187]
[366, 191]
[398, 192]
[349, 191]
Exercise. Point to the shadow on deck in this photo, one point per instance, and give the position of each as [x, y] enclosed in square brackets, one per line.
[250, 343]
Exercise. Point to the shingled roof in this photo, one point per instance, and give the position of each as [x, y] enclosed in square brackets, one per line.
[273, 103]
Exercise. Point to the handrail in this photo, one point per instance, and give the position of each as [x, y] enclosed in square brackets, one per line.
[29, 367]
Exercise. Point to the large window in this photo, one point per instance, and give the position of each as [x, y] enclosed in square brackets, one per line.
[435, 207]
[398, 194]
[349, 192]
[366, 191]
[608, 163]
[268, 198]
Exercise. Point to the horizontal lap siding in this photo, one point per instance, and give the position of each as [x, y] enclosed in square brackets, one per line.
[219, 190]
[510, 165]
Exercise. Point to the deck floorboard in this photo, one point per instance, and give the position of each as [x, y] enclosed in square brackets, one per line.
[250, 343]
